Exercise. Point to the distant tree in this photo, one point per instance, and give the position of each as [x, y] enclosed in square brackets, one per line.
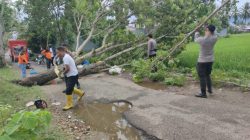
[235, 11]
[224, 15]
[2, 56]
[6, 19]
[245, 11]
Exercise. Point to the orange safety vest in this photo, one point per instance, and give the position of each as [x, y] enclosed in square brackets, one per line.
[22, 59]
[47, 54]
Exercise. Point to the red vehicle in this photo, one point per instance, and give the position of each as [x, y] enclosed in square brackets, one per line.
[15, 47]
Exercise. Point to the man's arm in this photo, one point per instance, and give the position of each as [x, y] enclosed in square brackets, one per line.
[66, 69]
[66, 63]
[25, 59]
[198, 38]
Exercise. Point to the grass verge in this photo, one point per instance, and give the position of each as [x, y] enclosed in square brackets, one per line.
[17, 96]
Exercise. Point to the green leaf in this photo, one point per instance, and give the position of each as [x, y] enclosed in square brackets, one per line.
[30, 121]
[11, 128]
[5, 137]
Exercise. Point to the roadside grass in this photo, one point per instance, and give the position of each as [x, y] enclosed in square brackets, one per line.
[17, 96]
[232, 59]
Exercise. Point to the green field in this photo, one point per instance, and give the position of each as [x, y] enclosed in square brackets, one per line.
[231, 54]
[232, 59]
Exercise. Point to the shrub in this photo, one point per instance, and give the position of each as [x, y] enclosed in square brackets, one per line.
[5, 112]
[141, 69]
[26, 125]
[175, 80]
[158, 76]
[137, 78]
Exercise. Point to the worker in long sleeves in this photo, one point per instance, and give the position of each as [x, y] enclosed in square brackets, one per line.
[206, 59]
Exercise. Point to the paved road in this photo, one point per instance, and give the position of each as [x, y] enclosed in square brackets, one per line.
[171, 116]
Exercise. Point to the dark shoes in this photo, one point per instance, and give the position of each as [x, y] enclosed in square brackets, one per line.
[210, 91]
[201, 95]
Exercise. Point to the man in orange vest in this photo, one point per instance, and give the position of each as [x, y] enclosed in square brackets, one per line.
[47, 54]
[22, 62]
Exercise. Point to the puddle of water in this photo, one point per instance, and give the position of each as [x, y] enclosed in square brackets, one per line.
[153, 85]
[107, 120]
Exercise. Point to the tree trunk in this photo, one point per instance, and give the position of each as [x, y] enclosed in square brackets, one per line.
[81, 47]
[2, 53]
[78, 22]
[45, 77]
[78, 40]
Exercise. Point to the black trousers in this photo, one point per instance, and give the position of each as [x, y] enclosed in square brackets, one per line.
[204, 71]
[77, 83]
[152, 56]
[154, 67]
[70, 83]
[52, 61]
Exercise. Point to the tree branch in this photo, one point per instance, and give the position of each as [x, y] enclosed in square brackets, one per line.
[198, 27]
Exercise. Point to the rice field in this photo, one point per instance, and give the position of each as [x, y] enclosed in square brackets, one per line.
[231, 54]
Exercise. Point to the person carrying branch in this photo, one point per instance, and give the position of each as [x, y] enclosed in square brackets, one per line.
[65, 46]
[71, 77]
[206, 59]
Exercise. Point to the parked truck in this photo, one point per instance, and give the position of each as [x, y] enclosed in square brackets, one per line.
[15, 47]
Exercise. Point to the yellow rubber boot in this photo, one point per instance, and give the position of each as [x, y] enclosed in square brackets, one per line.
[69, 103]
[79, 93]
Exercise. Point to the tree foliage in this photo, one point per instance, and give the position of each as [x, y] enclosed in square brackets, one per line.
[245, 11]
[6, 23]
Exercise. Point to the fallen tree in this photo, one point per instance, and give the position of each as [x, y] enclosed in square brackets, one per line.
[45, 77]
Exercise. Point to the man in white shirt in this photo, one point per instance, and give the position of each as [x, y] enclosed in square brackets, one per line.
[71, 77]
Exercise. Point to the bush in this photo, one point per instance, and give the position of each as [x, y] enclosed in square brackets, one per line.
[175, 80]
[140, 69]
[5, 112]
[158, 76]
[137, 78]
[26, 125]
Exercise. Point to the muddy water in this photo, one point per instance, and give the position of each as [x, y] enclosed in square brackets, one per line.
[107, 121]
[153, 85]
